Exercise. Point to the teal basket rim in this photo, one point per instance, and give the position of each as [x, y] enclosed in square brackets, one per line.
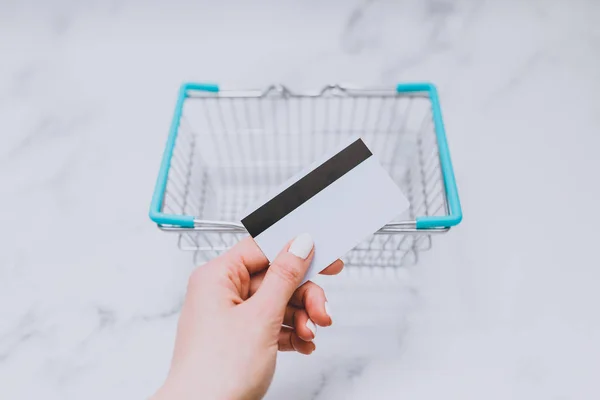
[453, 218]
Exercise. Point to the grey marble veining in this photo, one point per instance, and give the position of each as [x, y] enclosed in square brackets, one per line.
[503, 307]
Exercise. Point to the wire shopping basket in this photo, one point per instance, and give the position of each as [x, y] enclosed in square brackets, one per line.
[226, 148]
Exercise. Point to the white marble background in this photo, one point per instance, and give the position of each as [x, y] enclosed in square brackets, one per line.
[504, 307]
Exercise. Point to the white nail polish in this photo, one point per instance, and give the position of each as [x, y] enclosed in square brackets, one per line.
[311, 327]
[301, 246]
[328, 310]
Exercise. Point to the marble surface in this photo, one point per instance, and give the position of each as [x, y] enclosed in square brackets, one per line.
[504, 307]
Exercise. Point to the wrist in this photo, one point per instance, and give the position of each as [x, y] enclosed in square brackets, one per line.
[173, 391]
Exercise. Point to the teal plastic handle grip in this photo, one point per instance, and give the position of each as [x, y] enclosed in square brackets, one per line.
[454, 208]
[156, 215]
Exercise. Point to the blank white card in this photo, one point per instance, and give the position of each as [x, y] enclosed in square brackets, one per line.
[339, 201]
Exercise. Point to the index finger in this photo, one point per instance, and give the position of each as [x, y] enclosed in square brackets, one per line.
[333, 269]
[248, 252]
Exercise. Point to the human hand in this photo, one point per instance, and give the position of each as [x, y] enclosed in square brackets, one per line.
[230, 326]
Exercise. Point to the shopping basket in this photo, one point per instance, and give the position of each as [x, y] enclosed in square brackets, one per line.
[226, 148]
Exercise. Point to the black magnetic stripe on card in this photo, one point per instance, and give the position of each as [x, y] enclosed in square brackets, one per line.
[307, 187]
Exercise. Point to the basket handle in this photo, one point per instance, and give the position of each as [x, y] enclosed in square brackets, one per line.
[156, 214]
[454, 216]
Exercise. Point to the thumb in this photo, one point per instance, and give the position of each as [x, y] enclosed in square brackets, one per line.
[285, 273]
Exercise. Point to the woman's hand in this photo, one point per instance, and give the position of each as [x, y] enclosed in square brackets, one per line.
[230, 326]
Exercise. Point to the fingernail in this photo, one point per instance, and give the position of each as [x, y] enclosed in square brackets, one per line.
[328, 310]
[311, 327]
[301, 246]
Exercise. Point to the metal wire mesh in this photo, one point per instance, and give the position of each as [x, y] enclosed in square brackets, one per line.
[232, 147]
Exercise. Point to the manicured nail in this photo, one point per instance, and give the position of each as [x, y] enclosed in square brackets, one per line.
[301, 246]
[311, 327]
[328, 310]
